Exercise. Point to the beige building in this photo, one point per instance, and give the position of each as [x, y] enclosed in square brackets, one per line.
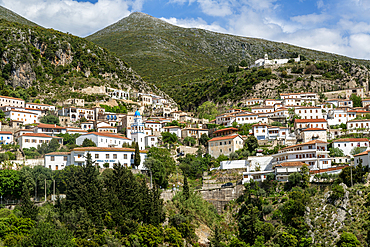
[127, 120]
[311, 134]
[224, 145]
[193, 132]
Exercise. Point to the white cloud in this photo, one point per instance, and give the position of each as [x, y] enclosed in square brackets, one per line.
[195, 23]
[79, 18]
[310, 18]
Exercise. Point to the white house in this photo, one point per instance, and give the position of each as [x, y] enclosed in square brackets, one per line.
[300, 124]
[87, 125]
[151, 141]
[337, 116]
[101, 156]
[29, 140]
[104, 139]
[254, 101]
[40, 106]
[284, 169]
[265, 61]
[57, 160]
[314, 153]
[262, 109]
[266, 132]
[26, 117]
[10, 101]
[358, 125]
[309, 112]
[362, 158]
[193, 132]
[75, 114]
[340, 102]
[50, 129]
[348, 144]
[173, 130]
[6, 137]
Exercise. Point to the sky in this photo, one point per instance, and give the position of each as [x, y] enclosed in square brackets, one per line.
[337, 26]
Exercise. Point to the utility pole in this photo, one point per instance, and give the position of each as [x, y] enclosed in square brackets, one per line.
[45, 189]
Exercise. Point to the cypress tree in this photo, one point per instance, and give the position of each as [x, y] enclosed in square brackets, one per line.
[137, 159]
[29, 209]
[186, 188]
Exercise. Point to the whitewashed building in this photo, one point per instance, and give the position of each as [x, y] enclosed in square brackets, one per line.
[26, 117]
[6, 137]
[104, 139]
[57, 160]
[348, 144]
[29, 140]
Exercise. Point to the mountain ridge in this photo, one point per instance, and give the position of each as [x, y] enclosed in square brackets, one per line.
[11, 16]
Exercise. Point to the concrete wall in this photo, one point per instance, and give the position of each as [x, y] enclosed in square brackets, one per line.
[220, 197]
[234, 164]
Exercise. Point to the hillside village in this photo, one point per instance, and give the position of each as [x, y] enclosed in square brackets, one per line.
[293, 130]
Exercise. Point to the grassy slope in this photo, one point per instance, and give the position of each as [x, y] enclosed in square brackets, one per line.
[9, 15]
[171, 56]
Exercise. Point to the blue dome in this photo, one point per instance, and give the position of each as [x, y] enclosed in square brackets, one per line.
[137, 114]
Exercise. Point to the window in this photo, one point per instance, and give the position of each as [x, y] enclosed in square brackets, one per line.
[96, 156]
[27, 140]
[125, 156]
[65, 158]
[79, 155]
[34, 141]
[52, 158]
[107, 156]
[114, 156]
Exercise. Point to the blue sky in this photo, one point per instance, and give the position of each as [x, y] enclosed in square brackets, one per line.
[338, 26]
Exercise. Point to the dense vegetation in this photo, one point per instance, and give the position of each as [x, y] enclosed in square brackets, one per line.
[40, 62]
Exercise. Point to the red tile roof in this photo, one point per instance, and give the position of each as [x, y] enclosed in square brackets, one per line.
[363, 153]
[292, 164]
[223, 138]
[84, 149]
[107, 135]
[10, 98]
[227, 129]
[49, 126]
[6, 133]
[320, 120]
[352, 140]
[36, 135]
[306, 143]
[314, 129]
[59, 153]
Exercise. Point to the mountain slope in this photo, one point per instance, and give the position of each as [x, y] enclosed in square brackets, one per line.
[9, 15]
[56, 66]
[176, 58]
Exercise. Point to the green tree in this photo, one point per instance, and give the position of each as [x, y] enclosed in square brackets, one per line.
[305, 173]
[2, 114]
[169, 138]
[47, 234]
[189, 141]
[348, 239]
[53, 145]
[88, 143]
[336, 152]
[208, 110]
[29, 209]
[10, 183]
[186, 190]
[50, 119]
[287, 240]
[357, 101]
[137, 158]
[251, 144]
[203, 140]
[357, 150]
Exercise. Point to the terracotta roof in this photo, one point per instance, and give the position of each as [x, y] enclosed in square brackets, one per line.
[223, 130]
[171, 127]
[107, 134]
[32, 109]
[195, 129]
[306, 143]
[291, 164]
[10, 98]
[49, 126]
[152, 122]
[320, 120]
[352, 140]
[363, 153]
[223, 138]
[314, 129]
[259, 124]
[36, 135]
[6, 133]
[73, 130]
[59, 153]
[38, 104]
[84, 149]
[12, 110]
[106, 127]
[247, 114]
[358, 111]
